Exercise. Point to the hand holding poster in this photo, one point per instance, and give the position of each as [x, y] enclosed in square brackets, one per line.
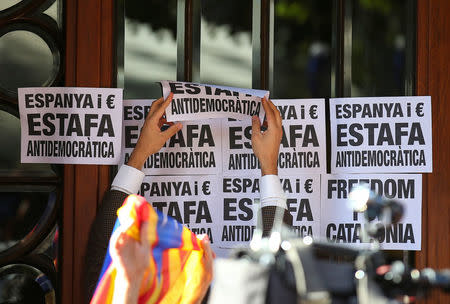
[340, 224]
[303, 145]
[381, 134]
[193, 101]
[195, 149]
[70, 125]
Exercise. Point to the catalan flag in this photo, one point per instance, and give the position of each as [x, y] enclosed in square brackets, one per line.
[175, 268]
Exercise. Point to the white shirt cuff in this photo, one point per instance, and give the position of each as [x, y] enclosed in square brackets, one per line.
[128, 180]
[272, 193]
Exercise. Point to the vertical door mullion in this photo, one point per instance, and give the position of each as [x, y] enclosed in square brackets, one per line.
[341, 41]
[256, 44]
[262, 44]
[410, 51]
[270, 48]
[337, 46]
[348, 36]
[188, 40]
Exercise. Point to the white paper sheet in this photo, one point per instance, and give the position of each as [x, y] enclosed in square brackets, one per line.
[381, 135]
[339, 223]
[193, 101]
[70, 125]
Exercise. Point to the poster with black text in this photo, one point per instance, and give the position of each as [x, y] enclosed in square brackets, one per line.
[303, 202]
[70, 125]
[195, 149]
[194, 101]
[241, 202]
[196, 203]
[381, 135]
[302, 148]
[240, 199]
[341, 225]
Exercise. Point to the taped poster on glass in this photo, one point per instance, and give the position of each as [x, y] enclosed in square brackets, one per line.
[70, 125]
[303, 203]
[340, 224]
[303, 145]
[196, 203]
[194, 101]
[381, 135]
[195, 149]
[242, 199]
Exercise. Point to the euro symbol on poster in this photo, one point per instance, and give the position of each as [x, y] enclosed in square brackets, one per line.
[419, 109]
[205, 188]
[313, 112]
[308, 186]
[110, 101]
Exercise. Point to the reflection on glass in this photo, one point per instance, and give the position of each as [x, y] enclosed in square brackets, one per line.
[19, 214]
[48, 248]
[53, 11]
[10, 152]
[21, 283]
[4, 4]
[226, 43]
[379, 47]
[302, 49]
[25, 60]
[150, 47]
[53, 246]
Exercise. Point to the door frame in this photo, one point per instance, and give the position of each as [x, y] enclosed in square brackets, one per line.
[91, 62]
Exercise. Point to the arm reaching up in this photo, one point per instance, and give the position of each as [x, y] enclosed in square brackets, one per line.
[266, 146]
[152, 138]
[127, 181]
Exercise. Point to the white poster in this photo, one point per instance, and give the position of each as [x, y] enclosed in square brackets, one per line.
[70, 125]
[239, 207]
[196, 203]
[303, 202]
[340, 224]
[241, 195]
[303, 145]
[381, 135]
[237, 154]
[193, 101]
[195, 149]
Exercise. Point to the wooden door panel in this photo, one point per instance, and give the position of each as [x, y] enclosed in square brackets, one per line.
[90, 62]
[433, 78]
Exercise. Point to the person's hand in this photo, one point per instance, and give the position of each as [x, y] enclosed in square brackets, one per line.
[152, 138]
[131, 257]
[208, 261]
[266, 144]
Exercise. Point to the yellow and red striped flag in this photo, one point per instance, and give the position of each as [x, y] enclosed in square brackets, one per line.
[176, 268]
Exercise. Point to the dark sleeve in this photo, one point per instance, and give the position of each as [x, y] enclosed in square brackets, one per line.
[99, 235]
[268, 217]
